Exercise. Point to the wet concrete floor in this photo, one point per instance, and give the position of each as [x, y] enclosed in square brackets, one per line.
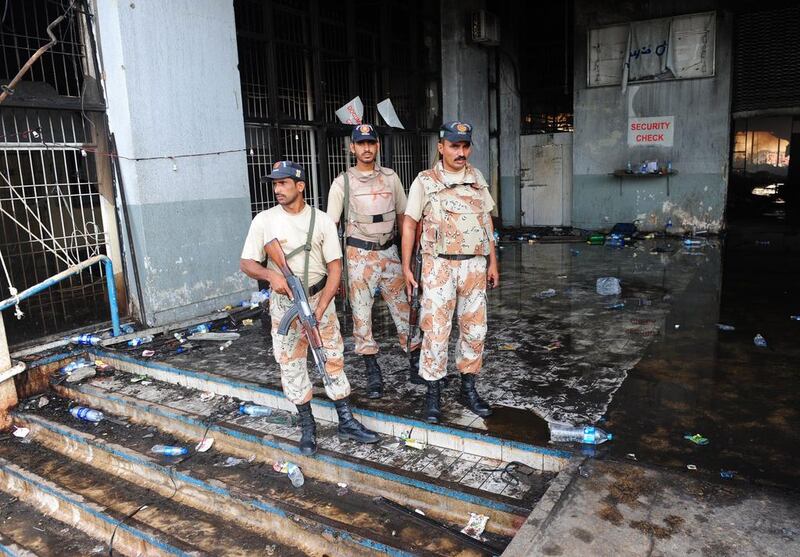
[650, 372]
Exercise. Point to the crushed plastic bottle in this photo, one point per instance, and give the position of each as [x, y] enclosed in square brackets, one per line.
[76, 365]
[589, 435]
[201, 328]
[86, 414]
[608, 286]
[254, 410]
[127, 329]
[169, 450]
[760, 341]
[616, 240]
[86, 340]
[140, 340]
[257, 298]
[295, 474]
[226, 344]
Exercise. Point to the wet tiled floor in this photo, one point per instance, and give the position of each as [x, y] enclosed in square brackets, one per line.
[656, 369]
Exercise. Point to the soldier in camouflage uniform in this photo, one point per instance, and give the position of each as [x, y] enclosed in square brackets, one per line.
[458, 258]
[372, 199]
[298, 226]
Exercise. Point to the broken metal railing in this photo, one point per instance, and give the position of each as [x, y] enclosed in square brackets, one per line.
[74, 270]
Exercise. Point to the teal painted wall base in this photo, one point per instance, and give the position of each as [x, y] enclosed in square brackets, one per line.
[691, 201]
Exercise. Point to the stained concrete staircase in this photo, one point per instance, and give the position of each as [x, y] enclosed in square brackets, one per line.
[106, 489]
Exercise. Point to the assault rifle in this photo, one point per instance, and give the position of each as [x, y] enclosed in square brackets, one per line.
[414, 302]
[301, 309]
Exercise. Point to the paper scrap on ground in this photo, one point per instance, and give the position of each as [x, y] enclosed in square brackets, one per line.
[475, 526]
[387, 112]
[204, 445]
[21, 432]
[352, 112]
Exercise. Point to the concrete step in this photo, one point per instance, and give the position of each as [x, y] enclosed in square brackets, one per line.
[319, 518]
[25, 532]
[445, 493]
[106, 506]
[462, 439]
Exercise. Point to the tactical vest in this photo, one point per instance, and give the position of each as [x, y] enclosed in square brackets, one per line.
[370, 206]
[458, 222]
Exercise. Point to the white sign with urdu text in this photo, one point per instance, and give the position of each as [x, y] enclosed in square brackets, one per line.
[654, 130]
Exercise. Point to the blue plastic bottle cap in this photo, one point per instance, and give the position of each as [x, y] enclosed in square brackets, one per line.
[610, 436]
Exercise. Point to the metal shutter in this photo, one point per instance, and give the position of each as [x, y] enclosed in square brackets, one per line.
[766, 68]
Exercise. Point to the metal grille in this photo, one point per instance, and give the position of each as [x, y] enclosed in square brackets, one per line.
[50, 217]
[60, 70]
[259, 163]
[763, 79]
[321, 59]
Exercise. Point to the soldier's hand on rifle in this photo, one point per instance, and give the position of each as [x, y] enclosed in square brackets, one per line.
[492, 276]
[280, 286]
[410, 282]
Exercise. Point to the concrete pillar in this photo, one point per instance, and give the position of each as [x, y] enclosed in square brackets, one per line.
[510, 115]
[8, 389]
[465, 78]
[172, 85]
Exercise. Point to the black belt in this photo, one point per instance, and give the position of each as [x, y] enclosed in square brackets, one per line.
[456, 257]
[317, 287]
[372, 246]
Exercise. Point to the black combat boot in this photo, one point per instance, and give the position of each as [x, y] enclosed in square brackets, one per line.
[469, 396]
[433, 402]
[374, 379]
[349, 428]
[413, 368]
[308, 436]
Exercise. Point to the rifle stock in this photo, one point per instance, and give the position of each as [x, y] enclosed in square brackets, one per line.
[275, 252]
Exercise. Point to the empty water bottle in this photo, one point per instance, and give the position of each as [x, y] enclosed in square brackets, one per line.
[169, 450]
[295, 474]
[86, 414]
[760, 341]
[140, 340]
[86, 340]
[73, 366]
[589, 435]
[254, 410]
[201, 328]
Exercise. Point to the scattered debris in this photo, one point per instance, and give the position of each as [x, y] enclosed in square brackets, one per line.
[226, 344]
[561, 276]
[80, 374]
[631, 456]
[232, 461]
[420, 512]
[86, 414]
[727, 474]
[608, 286]
[148, 353]
[617, 305]
[255, 410]
[43, 401]
[413, 443]
[75, 366]
[583, 472]
[21, 432]
[204, 445]
[760, 341]
[724, 327]
[691, 467]
[138, 378]
[794, 317]
[214, 336]
[549, 293]
[247, 322]
[508, 346]
[475, 526]
[555, 345]
[677, 326]
[697, 439]
[205, 397]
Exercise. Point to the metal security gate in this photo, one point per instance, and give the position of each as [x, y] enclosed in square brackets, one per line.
[300, 61]
[56, 199]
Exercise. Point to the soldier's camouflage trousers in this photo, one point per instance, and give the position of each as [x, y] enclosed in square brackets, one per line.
[291, 349]
[368, 270]
[447, 286]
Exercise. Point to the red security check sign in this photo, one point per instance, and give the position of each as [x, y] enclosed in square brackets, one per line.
[655, 130]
